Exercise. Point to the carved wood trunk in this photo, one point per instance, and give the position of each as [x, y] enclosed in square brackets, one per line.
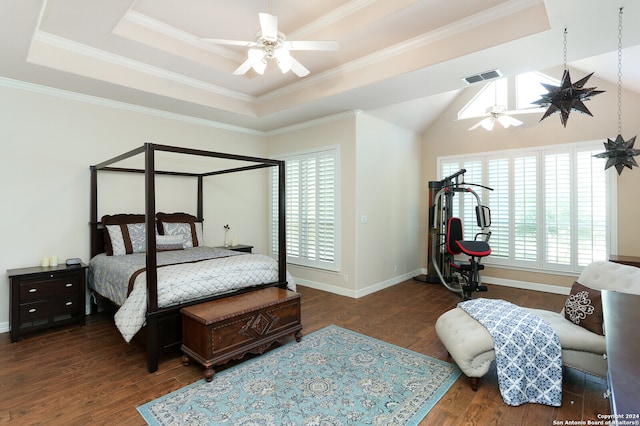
[221, 330]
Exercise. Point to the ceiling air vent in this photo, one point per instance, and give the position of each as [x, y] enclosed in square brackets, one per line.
[488, 75]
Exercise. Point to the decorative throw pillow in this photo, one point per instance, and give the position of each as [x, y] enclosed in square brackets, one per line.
[169, 242]
[181, 224]
[584, 308]
[125, 234]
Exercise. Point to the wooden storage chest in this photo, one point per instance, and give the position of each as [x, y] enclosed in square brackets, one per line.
[221, 330]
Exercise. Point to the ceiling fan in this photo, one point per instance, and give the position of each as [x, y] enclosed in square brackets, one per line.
[496, 113]
[272, 44]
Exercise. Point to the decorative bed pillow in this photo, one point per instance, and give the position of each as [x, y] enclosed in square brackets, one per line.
[169, 242]
[125, 234]
[584, 307]
[181, 224]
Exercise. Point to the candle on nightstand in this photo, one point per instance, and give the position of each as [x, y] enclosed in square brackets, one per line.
[44, 262]
[53, 260]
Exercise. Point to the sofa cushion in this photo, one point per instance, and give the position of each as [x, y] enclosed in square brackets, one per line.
[572, 336]
[584, 308]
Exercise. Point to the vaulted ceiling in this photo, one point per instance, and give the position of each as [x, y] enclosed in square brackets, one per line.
[402, 60]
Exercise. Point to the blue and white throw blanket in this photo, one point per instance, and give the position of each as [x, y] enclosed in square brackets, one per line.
[528, 352]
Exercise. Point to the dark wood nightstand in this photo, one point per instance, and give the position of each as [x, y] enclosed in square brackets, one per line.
[239, 247]
[43, 297]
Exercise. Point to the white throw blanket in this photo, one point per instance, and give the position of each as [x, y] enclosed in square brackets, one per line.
[528, 352]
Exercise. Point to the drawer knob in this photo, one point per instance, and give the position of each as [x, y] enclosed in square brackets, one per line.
[69, 285]
[33, 290]
[69, 303]
[32, 310]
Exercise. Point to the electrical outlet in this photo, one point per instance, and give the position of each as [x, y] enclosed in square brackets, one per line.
[395, 268]
[345, 278]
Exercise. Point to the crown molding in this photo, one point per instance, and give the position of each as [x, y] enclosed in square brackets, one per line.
[108, 57]
[313, 123]
[96, 100]
[477, 20]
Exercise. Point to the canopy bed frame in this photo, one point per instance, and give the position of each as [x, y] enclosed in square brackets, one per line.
[162, 332]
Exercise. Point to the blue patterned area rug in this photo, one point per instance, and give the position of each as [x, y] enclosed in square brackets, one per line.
[332, 377]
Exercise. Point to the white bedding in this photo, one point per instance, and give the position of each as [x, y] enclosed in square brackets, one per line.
[178, 283]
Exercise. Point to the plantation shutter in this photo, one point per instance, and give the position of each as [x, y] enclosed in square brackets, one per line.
[551, 207]
[557, 207]
[498, 178]
[525, 220]
[592, 200]
[311, 183]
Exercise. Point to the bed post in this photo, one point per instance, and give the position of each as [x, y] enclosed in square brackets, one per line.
[200, 209]
[93, 213]
[282, 214]
[152, 261]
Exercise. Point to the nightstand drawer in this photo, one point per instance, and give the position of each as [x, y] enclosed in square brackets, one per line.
[48, 308]
[46, 296]
[53, 284]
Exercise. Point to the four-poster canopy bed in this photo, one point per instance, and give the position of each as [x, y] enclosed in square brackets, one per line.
[161, 314]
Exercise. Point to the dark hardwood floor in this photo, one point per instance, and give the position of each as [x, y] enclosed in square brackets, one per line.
[89, 375]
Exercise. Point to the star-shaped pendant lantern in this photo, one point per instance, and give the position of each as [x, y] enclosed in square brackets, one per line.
[620, 153]
[566, 97]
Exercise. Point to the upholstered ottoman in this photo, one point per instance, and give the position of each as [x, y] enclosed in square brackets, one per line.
[471, 346]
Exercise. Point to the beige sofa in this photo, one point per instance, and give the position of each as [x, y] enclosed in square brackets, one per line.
[471, 346]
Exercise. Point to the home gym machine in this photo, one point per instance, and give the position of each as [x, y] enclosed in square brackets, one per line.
[447, 240]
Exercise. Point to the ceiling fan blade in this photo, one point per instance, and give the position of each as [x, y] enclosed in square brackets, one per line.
[244, 67]
[269, 26]
[507, 120]
[230, 42]
[298, 68]
[312, 45]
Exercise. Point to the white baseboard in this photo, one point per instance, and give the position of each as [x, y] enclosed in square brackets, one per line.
[525, 285]
[355, 294]
[547, 288]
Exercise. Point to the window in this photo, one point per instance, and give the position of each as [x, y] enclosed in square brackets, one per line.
[551, 207]
[515, 94]
[311, 215]
[493, 93]
[529, 89]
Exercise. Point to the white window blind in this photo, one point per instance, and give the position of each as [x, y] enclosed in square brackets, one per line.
[550, 207]
[311, 214]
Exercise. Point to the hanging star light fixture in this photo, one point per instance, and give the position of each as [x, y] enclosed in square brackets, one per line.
[568, 96]
[619, 153]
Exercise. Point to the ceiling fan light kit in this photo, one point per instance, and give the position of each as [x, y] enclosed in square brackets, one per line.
[272, 44]
[496, 113]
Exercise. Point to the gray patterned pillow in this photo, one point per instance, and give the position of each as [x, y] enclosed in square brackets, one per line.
[125, 234]
[169, 242]
[182, 224]
[584, 308]
[181, 230]
[127, 238]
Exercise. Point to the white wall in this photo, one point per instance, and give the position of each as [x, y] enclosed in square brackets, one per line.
[388, 195]
[48, 140]
[339, 132]
[379, 178]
